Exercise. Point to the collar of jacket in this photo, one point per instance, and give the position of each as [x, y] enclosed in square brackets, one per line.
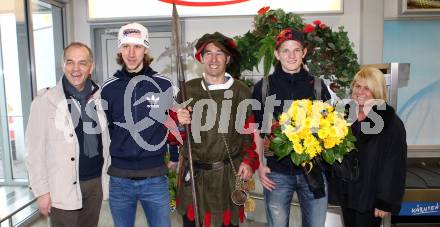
[59, 95]
[223, 86]
[123, 74]
[302, 75]
[94, 88]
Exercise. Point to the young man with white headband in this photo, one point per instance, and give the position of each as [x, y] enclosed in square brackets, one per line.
[138, 101]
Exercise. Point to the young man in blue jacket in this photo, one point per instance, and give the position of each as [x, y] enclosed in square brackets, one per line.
[139, 100]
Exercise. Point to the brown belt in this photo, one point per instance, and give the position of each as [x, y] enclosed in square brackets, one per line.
[215, 165]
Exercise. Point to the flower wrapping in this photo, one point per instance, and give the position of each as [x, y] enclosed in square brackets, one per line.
[310, 129]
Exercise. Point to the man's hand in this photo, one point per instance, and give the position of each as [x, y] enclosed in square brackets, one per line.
[172, 165]
[265, 181]
[184, 116]
[245, 171]
[266, 143]
[44, 204]
[380, 213]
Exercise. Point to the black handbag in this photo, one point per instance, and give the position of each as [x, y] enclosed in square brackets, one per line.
[348, 169]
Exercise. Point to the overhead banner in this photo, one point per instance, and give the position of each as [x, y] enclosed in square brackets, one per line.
[105, 9]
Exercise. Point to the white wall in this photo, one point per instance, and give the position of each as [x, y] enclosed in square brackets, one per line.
[391, 9]
[363, 19]
[81, 28]
[371, 44]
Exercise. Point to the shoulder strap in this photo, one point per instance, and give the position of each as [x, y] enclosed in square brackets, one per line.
[264, 91]
[317, 86]
[264, 88]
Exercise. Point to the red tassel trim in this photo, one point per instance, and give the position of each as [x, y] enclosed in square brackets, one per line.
[207, 219]
[241, 214]
[190, 212]
[227, 217]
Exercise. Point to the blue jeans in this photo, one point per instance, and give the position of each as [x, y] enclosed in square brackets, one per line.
[313, 211]
[151, 192]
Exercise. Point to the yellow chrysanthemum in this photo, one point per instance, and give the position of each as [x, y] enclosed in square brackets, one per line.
[307, 123]
[323, 133]
[338, 141]
[311, 152]
[309, 141]
[298, 148]
[291, 133]
[303, 133]
[330, 117]
[329, 142]
[324, 123]
[318, 148]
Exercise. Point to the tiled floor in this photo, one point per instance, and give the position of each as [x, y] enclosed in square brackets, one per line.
[106, 220]
[13, 197]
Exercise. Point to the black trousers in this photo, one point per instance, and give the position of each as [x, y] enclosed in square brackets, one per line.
[188, 223]
[353, 218]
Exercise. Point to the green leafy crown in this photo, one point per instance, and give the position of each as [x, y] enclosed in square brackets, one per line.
[330, 53]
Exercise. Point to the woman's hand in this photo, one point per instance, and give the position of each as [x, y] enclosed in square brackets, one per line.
[380, 213]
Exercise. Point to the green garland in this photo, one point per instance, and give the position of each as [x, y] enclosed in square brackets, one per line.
[330, 53]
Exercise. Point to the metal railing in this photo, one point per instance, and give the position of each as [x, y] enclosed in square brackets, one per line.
[9, 216]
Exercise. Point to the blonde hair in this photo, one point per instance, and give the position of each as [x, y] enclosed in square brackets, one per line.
[375, 81]
[146, 61]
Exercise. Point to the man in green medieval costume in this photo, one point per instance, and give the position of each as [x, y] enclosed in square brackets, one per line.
[222, 136]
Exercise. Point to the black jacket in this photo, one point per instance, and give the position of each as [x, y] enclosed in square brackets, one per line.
[382, 166]
[288, 87]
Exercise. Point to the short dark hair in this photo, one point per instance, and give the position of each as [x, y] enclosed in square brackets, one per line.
[147, 60]
[77, 45]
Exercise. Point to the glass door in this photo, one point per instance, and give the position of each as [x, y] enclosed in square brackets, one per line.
[31, 47]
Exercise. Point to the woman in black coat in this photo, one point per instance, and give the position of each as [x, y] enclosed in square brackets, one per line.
[381, 155]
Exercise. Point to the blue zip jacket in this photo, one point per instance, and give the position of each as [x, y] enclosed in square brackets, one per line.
[137, 109]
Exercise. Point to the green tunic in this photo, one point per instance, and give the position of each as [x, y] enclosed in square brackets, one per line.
[214, 187]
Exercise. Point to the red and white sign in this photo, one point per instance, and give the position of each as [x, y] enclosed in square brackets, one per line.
[203, 3]
[104, 9]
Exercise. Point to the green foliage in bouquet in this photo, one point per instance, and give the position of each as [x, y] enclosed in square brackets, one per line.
[330, 53]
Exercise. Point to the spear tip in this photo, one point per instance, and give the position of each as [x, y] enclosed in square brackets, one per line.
[175, 9]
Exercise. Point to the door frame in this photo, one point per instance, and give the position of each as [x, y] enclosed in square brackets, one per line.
[97, 30]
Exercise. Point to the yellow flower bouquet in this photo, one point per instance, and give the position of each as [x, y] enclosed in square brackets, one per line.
[310, 129]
